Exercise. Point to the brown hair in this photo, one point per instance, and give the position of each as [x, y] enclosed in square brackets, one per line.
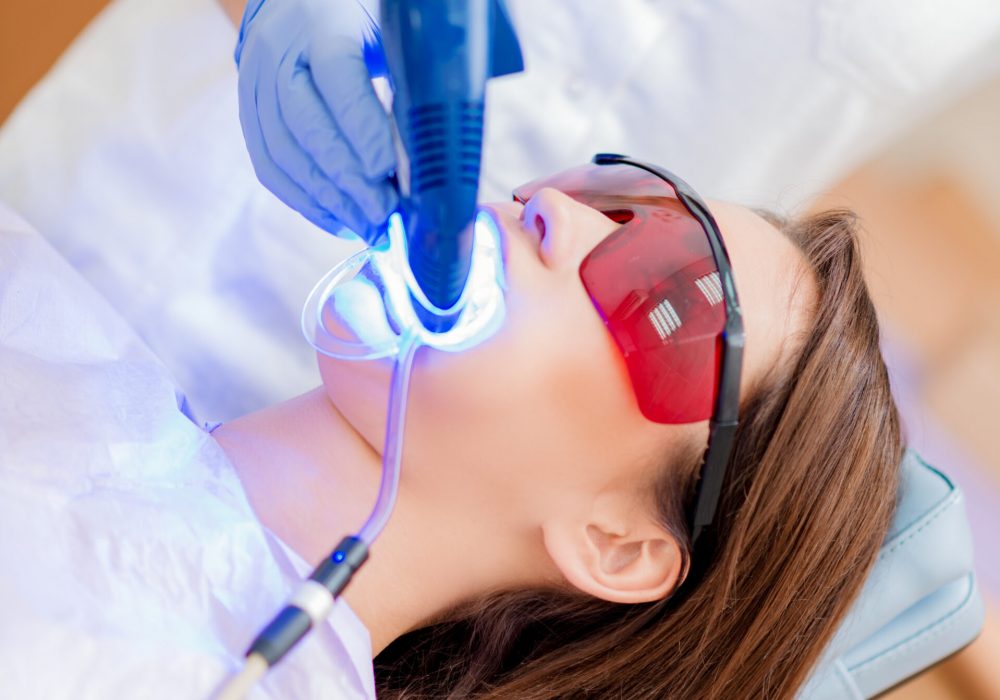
[811, 491]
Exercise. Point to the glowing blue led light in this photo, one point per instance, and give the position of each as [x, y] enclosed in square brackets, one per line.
[481, 302]
[338, 557]
[370, 295]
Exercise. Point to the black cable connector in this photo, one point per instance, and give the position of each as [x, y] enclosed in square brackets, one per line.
[337, 570]
[293, 622]
[283, 633]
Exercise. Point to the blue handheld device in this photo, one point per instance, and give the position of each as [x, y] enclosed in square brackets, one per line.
[440, 53]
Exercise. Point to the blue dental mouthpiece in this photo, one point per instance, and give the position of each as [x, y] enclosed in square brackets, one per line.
[440, 53]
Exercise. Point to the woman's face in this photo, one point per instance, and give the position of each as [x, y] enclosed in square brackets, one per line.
[543, 413]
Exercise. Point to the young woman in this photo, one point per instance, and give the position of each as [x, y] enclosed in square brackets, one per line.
[545, 543]
[541, 546]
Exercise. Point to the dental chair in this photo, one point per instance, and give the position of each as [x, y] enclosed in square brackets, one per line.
[920, 604]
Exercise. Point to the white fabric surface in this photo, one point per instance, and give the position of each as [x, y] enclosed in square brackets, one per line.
[128, 157]
[132, 564]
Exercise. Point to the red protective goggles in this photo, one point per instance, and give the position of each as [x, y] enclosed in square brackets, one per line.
[663, 284]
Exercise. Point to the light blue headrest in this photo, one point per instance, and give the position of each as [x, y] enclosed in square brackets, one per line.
[920, 603]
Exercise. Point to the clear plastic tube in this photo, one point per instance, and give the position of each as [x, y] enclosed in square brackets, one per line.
[334, 573]
[361, 310]
[392, 450]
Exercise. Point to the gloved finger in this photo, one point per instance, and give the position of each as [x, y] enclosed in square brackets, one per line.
[289, 155]
[280, 163]
[250, 11]
[303, 170]
[342, 79]
[313, 128]
[268, 172]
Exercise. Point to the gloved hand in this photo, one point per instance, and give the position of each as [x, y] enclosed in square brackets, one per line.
[317, 135]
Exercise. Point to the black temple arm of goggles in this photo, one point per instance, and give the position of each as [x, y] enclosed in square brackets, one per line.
[725, 416]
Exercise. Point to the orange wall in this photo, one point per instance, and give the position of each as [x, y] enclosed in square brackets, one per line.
[33, 33]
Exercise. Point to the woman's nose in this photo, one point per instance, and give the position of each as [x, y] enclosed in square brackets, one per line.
[548, 215]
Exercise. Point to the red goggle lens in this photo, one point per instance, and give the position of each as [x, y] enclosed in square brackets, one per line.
[656, 285]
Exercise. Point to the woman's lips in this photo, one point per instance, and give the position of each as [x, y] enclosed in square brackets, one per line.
[507, 218]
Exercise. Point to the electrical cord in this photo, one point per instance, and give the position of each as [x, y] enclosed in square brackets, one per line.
[315, 597]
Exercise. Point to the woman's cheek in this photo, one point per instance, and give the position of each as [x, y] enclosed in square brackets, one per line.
[488, 384]
[486, 389]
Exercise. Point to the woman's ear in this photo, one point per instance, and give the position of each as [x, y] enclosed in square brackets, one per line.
[616, 553]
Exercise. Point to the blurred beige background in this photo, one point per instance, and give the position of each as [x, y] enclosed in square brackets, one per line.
[32, 35]
[931, 210]
[931, 204]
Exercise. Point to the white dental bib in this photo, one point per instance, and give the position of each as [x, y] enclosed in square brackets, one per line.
[132, 563]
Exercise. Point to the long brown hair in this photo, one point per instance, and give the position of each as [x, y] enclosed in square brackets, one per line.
[811, 493]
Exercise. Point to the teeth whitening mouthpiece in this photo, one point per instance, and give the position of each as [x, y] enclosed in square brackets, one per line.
[363, 307]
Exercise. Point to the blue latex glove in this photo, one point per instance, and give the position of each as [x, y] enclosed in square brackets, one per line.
[317, 135]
